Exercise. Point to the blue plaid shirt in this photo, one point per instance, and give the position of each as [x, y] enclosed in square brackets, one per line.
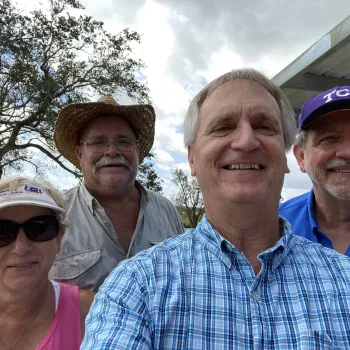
[197, 291]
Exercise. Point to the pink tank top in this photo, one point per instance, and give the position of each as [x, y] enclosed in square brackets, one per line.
[65, 330]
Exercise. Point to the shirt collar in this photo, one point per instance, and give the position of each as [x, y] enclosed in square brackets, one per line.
[283, 246]
[277, 253]
[315, 230]
[91, 202]
[311, 209]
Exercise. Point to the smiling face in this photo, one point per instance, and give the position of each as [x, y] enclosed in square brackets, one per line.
[108, 168]
[326, 154]
[238, 154]
[24, 263]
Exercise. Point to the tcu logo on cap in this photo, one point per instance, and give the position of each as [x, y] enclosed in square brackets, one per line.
[338, 93]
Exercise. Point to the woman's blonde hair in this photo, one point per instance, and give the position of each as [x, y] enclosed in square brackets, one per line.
[13, 182]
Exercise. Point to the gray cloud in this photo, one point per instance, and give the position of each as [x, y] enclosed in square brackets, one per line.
[251, 29]
[254, 28]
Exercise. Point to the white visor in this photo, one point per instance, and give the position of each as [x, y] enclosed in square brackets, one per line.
[28, 194]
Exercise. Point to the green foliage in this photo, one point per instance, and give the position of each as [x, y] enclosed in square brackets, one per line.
[50, 59]
[189, 199]
[148, 177]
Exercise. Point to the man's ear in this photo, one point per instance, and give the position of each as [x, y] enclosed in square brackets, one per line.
[286, 170]
[78, 152]
[191, 155]
[299, 155]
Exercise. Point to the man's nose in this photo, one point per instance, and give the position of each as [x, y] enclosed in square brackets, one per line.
[244, 138]
[111, 149]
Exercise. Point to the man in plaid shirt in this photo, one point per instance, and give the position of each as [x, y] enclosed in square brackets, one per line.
[240, 279]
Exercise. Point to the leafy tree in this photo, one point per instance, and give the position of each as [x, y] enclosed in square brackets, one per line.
[189, 197]
[49, 59]
[148, 177]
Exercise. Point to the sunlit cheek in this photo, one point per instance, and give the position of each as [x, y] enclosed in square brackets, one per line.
[85, 160]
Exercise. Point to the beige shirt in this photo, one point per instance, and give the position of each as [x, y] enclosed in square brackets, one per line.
[90, 248]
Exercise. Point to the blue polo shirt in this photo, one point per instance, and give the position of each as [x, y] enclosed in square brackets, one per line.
[300, 212]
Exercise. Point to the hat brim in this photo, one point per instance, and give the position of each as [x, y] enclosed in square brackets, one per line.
[14, 203]
[320, 112]
[73, 117]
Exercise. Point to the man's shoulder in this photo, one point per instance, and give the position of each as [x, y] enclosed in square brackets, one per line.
[68, 195]
[169, 246]
[155, 196]
[321, 256]
[295, 202]
[159, 202]
[169, 252]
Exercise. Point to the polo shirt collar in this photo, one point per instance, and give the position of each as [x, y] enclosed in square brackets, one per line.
[312, 219]
[311, 209]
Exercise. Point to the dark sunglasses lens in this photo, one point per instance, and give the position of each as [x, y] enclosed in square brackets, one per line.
[41, 229]
[8, 232]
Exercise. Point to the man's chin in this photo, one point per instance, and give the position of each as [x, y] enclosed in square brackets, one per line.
[245, 195]
[341, 192]
[113, 180]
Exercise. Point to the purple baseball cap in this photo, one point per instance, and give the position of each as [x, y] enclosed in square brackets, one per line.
[332, 100]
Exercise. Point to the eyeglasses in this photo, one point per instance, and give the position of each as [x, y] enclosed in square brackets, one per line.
[100, 145]
[38, 229]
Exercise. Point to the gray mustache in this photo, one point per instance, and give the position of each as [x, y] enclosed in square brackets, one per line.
[105, 161]
[337, 163]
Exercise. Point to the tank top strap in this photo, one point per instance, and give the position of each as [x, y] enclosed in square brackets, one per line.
[65, 330]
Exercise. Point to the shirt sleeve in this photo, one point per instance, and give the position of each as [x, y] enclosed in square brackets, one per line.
[119, 316]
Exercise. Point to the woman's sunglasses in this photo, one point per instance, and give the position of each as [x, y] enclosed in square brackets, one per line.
[38, 229]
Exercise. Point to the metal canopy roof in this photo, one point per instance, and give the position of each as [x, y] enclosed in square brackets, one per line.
[324, 65]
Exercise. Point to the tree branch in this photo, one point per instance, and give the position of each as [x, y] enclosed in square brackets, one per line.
[50, 155]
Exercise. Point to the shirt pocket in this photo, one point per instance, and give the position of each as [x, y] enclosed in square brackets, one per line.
[318, 340]
[73, 265]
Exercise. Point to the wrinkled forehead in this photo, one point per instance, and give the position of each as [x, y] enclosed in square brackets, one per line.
[240, 96]
[108, 126]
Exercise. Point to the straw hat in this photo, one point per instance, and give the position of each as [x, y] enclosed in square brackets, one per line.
[73, 117]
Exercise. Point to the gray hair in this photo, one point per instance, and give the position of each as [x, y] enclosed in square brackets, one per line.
[287, 112]
[301, 139]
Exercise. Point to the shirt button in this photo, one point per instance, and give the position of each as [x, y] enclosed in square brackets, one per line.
[256, 297]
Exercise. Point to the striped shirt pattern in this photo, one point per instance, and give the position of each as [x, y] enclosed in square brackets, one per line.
[198, 291]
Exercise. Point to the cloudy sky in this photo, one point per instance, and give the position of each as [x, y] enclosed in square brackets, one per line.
[187, 43]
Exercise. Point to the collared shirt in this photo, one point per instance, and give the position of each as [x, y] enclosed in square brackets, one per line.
[300, 212]
[198, 291]
[90, 248]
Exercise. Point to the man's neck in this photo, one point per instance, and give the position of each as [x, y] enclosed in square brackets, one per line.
[115, 197]
[332, 211]
[251, 228]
